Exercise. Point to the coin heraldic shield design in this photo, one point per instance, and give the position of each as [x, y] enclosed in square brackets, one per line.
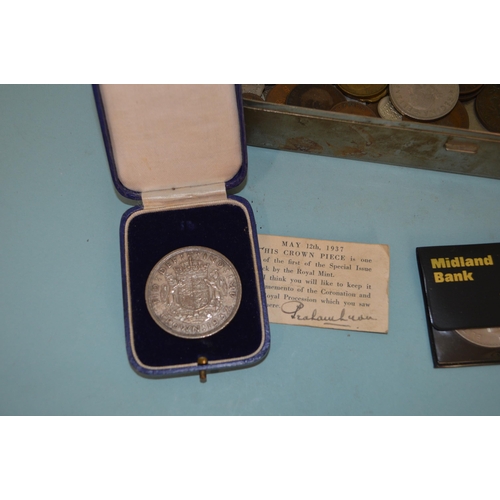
[193, 292]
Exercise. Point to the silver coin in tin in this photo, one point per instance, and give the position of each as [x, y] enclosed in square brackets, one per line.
[424, 102]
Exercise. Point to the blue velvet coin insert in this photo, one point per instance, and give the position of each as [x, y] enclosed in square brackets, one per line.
[149, 237]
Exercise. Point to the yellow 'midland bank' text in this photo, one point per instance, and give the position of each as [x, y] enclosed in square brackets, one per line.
[457, 262]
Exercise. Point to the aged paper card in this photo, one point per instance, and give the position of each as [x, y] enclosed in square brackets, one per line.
[327, 284]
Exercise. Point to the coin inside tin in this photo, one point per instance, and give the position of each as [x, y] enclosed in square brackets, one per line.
[387, 111]
[468, 92]
[457, 117]
[315, 96]
[193, 292]
[488, 107]
[424, 102]
[369, 93]
[279, 93]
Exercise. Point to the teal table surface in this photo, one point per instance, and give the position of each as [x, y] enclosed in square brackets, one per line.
[62, 346]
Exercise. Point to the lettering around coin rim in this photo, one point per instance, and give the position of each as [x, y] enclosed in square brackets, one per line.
[193, 292]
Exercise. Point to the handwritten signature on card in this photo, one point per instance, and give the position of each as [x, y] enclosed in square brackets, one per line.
[293, 307]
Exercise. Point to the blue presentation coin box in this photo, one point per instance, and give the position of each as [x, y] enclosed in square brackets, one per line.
[176, 150]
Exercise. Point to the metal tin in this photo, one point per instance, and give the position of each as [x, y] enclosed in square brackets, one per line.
[409, 144]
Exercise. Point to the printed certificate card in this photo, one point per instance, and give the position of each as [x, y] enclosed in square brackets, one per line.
[327, 284]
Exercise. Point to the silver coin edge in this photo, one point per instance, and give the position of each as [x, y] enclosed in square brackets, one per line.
[463, 333]
[402, 110]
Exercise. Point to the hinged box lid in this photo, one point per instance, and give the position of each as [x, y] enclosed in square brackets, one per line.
[178, 148]
[162, 138]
